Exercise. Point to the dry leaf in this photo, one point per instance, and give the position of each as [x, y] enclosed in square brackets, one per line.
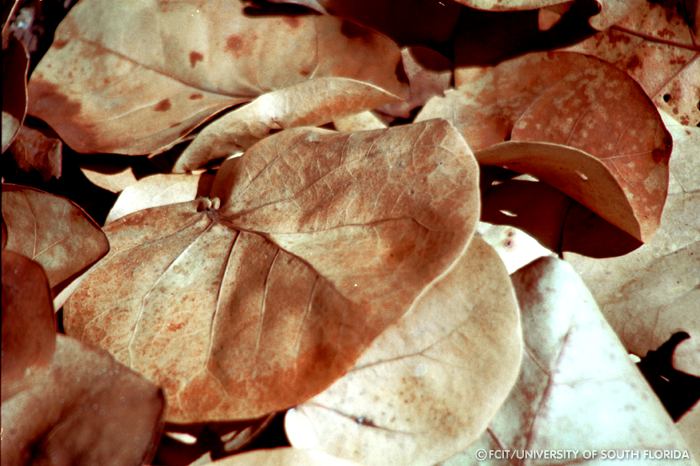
[509, 5]
[514, 246]
[321, 241]
[138, 85]
[410, 398]
[363, 121]
[284, 457]
[24, 307]
[111, 179]
[311, 103]
[578, 390]
[52, 231]
[159, 190]
[429, 73]
[71, 404]
[15, 64]
[689, 425]
[654, 45]
[554, 219]
[653, 292]
[573, 100]
[34, 150]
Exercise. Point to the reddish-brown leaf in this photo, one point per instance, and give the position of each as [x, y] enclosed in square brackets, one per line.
[15, 64]
[653, 43]
[28, 327]
[63, 402]
[573, 100]
[52, 231]
[284, 457]
[139, 84]
[407, 399]
[321, 241]
[33, 150]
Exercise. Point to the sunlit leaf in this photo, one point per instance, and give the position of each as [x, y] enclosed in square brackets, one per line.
[70, 404]
[578, 390]
[139, 84]
[571, 100]
[407, 399]
[52, 231]
[653, 292]
[321, 240]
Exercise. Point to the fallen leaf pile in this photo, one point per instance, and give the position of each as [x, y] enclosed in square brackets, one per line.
[281, 232]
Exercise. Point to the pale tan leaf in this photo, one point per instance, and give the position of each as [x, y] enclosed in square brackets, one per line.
[689, 425]
[406, 400]
[28, 327]
[52, 231]
[578, 390]
[363, 121]
[574, 100]
[70, 403]
[653, 292]
[284, 457]
[159, 190]
[15, 65]
[114, 179]
[34, 150]
[139, 84]
[514, 246]
[310, 103]
[321, 240]
[509, 5]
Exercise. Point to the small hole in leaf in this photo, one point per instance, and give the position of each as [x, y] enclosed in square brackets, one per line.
[508, 213]
[582, 175]
[667, 97]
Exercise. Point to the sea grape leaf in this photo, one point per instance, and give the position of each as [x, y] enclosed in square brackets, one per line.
[653, 292]
[578, 389]
[320, 241]
[407, 399]
[15, 65]
[553, 218]
[135, 76]
[284, 457]
[159, 190]
[24, 307]
[514, 246]
[363, 121]
[53, 231]
[509, 5]
[689, 425]
[33, 150]
[429, 73]
[70, 404]
[654, 45]
[574, 100]
[310, 103]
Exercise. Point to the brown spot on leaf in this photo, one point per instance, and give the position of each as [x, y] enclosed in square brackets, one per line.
[659, 155]
[163, 106]
[195, 57]
[236, 45]
[634, 63]
[196, 96]
[59, 44]
[175, 326]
